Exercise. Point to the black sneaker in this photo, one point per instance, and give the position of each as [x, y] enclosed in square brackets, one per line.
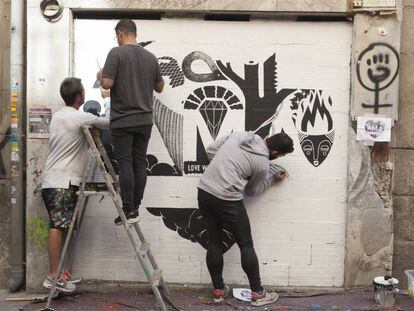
[132, 217]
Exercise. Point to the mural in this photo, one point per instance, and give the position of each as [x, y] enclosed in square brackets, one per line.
[220, 77]
[310, 114]
[310, 111]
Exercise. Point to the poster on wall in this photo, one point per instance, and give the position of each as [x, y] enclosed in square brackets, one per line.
[39, 121]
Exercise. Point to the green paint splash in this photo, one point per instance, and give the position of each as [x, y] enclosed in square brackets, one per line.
[38, 231]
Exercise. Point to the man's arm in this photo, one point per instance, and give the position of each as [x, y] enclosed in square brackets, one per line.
[107, 75]
[262, 180]
[215, 146]
[159, 81]
[107, 83]
[86, 118]
[259, 183]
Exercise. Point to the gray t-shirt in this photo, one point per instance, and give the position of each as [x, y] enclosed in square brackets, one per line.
[135, 72]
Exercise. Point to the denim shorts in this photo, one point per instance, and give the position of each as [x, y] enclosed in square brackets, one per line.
[60, 204]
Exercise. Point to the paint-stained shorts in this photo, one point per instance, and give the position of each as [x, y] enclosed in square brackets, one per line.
[60, 204]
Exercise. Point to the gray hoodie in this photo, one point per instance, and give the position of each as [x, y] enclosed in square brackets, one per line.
[239, 163]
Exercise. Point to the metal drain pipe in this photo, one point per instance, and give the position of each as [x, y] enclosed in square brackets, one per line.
[17, 100]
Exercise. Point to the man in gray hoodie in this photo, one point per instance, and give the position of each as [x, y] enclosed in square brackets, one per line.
[239, 163]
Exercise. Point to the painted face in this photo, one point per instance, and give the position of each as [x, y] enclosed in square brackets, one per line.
[316, 148]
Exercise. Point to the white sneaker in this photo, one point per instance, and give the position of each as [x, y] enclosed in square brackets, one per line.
[264, 298]
[67, 275]
[61, 285]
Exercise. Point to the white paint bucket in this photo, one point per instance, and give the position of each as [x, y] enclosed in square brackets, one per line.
[385, 288]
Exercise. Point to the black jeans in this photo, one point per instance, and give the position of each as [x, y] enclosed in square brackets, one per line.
[232, 216]
[130, 148]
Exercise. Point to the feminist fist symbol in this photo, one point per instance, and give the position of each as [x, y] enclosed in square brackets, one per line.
[377, 67]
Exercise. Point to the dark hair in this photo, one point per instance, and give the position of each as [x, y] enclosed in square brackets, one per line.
[126, 26]
[69, 89]
[280, 142]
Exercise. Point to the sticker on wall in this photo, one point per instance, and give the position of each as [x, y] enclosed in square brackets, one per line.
[39, 121]
[375, 129]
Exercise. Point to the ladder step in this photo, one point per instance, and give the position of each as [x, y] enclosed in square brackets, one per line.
[156, 277]
[97, 186]
[143, 251]
[87, 193]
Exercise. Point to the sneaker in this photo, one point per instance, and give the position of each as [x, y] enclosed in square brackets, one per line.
[132, 217]
[62, 285]
[264, 298]
[67, 275]
[220, 294]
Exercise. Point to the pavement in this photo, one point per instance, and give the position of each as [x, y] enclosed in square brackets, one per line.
[127, 297]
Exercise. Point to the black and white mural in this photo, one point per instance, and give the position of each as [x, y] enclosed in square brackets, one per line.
[258, 76]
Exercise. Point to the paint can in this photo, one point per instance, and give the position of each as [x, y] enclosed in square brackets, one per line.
[385, 288]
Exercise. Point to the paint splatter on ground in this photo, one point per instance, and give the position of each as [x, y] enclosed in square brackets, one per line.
[127, 297]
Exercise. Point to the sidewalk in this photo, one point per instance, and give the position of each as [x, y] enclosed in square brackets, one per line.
[127, 297]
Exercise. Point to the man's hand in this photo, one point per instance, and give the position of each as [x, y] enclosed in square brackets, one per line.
[280, 176]
[99, 75]
[96, 132]
[105, 93]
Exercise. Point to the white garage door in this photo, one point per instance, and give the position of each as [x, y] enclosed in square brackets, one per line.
[264, 76]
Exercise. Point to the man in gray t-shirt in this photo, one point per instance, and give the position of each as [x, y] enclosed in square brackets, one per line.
[132, 73]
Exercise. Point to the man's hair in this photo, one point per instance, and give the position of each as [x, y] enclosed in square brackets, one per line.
[127, 26]
[69, 89]
[280, 142]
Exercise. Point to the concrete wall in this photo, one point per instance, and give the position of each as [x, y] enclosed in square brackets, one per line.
[403, 153]
[5, 213]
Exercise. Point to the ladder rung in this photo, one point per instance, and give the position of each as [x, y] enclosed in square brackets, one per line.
[156, 277]
[87, 193]
[143, 250]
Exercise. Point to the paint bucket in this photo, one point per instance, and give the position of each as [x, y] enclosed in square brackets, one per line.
[385, 288]
[410, 283]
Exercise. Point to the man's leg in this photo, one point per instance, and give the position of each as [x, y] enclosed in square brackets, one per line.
[214, 257]
[236, 220]
[54, 247]
[60, 204]
[122, 140]
[139, 151]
